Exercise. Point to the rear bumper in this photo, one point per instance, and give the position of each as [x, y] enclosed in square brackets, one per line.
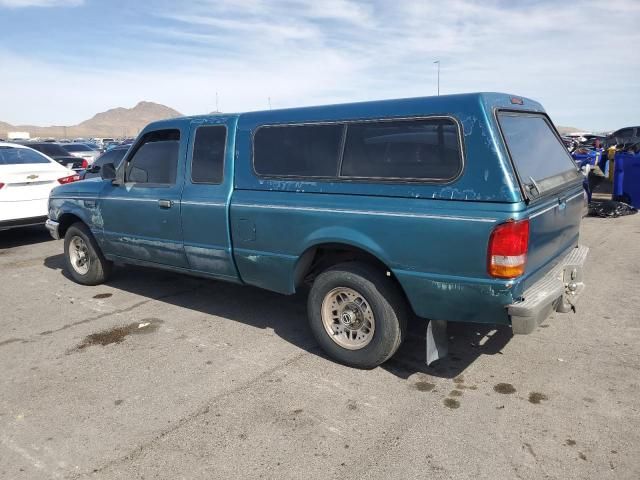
[52, 226]
[557, 290]
[22, 222]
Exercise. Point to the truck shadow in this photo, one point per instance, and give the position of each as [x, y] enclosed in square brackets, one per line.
[286, 316]
[24, 236]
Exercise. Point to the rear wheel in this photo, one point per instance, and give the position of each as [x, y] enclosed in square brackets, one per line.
[357, 315]
[83, 259]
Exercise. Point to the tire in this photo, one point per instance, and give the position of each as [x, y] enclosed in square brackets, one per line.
[364, 310]
[83, 258]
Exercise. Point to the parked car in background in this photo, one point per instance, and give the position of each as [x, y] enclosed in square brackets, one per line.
[623, 137]
[462, 208]
[81, 150]
[109, 145]
[591, 139]
[115, 156]
[26, 178]
[60, 155]
[102, 142]
[570, 143]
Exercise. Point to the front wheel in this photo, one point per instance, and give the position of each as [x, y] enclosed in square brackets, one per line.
[83, 259]
[357, 315]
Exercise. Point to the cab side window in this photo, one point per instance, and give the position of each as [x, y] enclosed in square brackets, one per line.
[155, 160]
[207, 164]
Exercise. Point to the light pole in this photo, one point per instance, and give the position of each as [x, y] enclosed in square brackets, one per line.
[438, 62]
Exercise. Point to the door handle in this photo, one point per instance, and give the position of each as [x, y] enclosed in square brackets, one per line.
[165, 203]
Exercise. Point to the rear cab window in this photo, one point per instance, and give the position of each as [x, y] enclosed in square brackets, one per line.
[207, 163]
[542, 162]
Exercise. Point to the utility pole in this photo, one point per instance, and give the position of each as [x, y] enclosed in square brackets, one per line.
[438, 62]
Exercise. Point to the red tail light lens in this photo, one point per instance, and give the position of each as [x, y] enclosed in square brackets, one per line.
[69, 179]
[1, 185]
[507, 253]
[85, 163]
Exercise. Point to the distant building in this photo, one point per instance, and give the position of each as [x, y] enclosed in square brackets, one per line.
[18, 136]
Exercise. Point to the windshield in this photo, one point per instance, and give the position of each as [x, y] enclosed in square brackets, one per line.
[20, 156]
[541, 159]
[77, 147]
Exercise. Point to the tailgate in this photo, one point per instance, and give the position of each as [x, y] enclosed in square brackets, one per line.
[554, 227]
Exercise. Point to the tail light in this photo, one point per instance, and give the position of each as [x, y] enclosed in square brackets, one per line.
[85, 163]
[1, 185]
[507, 252]
[69, 179]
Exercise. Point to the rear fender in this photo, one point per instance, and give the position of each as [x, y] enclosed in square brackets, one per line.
[334, 236]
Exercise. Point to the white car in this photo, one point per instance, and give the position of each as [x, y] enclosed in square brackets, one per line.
[26, 178]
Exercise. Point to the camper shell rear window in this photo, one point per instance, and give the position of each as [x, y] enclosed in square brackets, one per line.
[540, 158]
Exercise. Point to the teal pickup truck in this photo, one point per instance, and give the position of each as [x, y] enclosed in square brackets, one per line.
[458, 208]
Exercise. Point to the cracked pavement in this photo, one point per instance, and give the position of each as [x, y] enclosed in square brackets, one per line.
[213, 380]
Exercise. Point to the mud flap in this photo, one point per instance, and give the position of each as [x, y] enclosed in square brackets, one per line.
[437, 341]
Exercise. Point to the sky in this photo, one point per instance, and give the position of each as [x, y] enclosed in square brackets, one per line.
[62, 61]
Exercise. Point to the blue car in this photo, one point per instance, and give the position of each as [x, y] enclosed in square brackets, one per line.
[459, 208]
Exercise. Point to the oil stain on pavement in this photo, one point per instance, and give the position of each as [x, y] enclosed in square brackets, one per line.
[451, 403]
[424, 386]
[100, 296]
[119, 333]
[504, 388]
[537, 397]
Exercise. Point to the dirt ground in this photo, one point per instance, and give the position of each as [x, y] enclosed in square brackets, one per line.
[157, 375]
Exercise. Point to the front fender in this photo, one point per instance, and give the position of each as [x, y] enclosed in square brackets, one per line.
[66, 210]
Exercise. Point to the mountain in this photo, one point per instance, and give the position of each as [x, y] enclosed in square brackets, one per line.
[565, 130]
[116, 122]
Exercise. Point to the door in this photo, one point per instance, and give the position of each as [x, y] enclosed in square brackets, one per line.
[207, 189]
[141, 212]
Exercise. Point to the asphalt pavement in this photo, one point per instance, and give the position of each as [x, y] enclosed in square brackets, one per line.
[158, 375]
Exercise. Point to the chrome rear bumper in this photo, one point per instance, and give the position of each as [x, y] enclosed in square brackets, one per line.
[557, 290]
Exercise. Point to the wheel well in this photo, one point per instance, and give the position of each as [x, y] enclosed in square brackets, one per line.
[317, 259]
[321, 257]
[65, 221]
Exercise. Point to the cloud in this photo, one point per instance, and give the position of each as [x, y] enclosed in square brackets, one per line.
[40, 3]
[303, 53]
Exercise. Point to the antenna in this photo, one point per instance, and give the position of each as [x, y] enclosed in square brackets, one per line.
[269, 100]
[217, 108]
[438, 62]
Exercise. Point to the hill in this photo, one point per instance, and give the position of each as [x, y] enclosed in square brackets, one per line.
[116, 122]
[565, 130]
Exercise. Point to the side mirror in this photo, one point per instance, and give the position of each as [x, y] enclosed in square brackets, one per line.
[108, 171]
